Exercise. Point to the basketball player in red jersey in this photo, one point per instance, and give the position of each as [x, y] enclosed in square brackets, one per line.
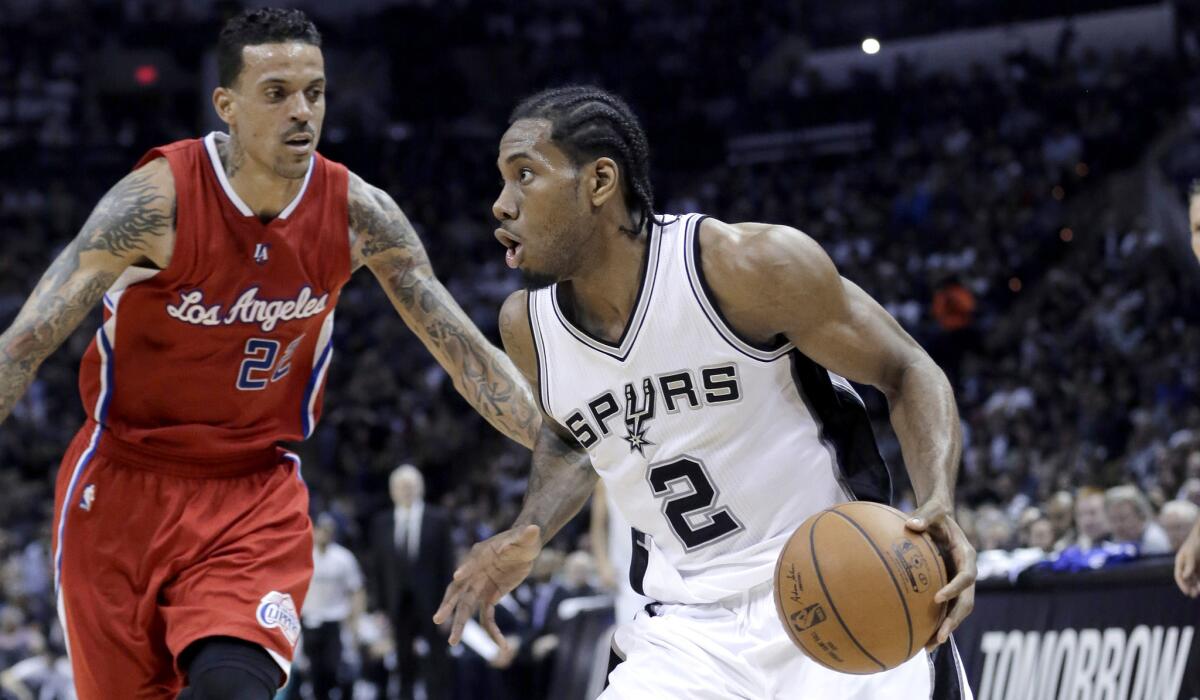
[182, 543]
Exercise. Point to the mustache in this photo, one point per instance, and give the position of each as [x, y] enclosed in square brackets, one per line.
[303, 130]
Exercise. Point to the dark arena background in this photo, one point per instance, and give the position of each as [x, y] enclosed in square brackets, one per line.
[1009, 179]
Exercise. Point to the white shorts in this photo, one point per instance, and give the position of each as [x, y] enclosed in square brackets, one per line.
[737, 648]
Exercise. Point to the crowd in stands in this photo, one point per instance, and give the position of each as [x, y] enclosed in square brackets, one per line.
[976, 215]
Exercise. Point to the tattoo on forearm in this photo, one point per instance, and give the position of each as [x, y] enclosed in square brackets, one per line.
[482, 373]
[123, 223]
[560, 482]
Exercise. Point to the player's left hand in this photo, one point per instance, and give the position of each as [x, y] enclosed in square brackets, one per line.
[935, 518]
[492, 569]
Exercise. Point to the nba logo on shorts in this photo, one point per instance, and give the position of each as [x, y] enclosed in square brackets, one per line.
[277, 610]
[261, 252]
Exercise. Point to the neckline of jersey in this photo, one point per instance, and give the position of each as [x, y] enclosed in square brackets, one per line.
[624, 344]
[214, 158]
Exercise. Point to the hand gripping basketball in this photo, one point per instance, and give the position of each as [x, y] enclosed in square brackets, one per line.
[935, 519]
[861, 588]
[492, 568]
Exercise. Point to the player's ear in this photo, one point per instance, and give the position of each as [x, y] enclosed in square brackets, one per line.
[222, 99]
[603, 180]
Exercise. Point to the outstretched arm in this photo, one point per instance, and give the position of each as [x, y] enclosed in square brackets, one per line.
[773, 280]
[1187, 563]
[132, 224]
[562, 477]
[560, 483]
[384, 241]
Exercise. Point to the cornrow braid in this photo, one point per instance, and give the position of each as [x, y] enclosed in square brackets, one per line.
[588, 123]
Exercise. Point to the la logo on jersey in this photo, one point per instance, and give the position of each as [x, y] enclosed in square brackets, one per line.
[717, 385]
[277, 611]
[261, 253]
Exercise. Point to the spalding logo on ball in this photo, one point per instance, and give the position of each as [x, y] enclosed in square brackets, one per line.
[854, 588]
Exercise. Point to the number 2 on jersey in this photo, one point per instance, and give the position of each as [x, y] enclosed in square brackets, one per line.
[690, 505]
[259, 368]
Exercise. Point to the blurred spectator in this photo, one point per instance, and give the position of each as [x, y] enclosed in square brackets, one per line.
[995, 530]
[332, 608]
[413, 564]
[575, 582]
[44, 675]
[376, 644]
[953, 306]
[1041, 535]
[1177, 519]
[1132, 520]
[17, 639]
[1059, 510]
[1091, 519]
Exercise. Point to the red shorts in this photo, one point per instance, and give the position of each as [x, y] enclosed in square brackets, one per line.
[151, 556]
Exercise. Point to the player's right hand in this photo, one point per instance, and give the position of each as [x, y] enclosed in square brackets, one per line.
[492, 568]
[1187, 564]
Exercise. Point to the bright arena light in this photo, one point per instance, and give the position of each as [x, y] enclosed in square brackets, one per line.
[870, 45]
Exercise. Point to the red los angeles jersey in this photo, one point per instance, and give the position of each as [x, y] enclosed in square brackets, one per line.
[225, 351]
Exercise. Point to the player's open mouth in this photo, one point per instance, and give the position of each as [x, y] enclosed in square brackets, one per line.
[300, 143]
[513, 257]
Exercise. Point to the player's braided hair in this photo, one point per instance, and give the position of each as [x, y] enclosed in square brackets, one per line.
[589, 123]
[268, 25]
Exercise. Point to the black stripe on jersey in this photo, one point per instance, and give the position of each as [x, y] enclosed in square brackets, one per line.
[614, 660]
[947, 673]
[640, 561]
[846, 428]
[708, 304]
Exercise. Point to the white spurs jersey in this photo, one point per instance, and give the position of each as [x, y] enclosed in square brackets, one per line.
[714, 449]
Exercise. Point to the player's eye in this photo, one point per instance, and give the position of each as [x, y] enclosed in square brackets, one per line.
[525, 176]
[274, 94]
[315, 94]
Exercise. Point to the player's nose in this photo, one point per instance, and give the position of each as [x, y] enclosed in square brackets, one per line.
[505, 207]
[299, 110]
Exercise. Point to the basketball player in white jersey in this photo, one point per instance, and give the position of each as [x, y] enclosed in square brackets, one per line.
[690, 364]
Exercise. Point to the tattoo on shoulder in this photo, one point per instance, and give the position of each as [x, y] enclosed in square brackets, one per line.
[123, 222]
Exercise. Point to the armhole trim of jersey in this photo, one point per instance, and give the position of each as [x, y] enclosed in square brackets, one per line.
[535, 329]
[707, 301]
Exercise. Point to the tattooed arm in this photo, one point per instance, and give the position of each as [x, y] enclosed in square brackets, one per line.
[384, 241]
[562, 478]
[133, 224]
[559, 484]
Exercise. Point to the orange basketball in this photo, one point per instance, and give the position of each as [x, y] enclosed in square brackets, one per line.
[854, 588]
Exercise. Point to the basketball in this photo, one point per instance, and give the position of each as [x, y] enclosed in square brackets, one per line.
[854, 588]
